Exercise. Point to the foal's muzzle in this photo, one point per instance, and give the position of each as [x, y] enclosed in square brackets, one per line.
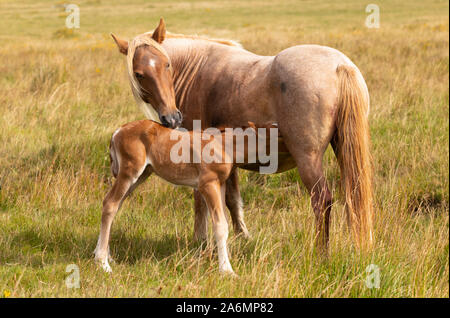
[172, 120]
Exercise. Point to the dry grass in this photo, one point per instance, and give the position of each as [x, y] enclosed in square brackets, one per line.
[63, 93]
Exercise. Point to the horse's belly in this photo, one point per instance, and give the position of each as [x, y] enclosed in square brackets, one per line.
[285, 162]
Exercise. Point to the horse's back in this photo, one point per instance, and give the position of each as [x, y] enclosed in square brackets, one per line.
[311, 69]
[306, 93]
[309, 64]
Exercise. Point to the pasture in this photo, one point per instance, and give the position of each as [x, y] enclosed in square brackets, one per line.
[63, 92]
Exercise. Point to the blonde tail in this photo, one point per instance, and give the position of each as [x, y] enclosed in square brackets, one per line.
[353, 153]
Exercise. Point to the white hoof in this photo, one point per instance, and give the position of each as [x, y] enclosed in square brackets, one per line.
[103, 261]
[229, 274]
[105, 266]
[227, 270]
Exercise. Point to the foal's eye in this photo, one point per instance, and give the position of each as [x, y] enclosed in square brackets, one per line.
[167, 65]
[138, 75]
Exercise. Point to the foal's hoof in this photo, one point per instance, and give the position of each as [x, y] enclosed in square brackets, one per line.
[104, 265]
[107, 268]
[229, 274]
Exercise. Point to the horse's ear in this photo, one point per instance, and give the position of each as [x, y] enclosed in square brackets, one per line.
[121, 44]
[160, 32]
[252, 125]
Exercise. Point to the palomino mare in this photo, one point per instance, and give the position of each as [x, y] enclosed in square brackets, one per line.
[315, 94]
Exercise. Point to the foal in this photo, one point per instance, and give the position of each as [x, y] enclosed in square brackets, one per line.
[141, 148]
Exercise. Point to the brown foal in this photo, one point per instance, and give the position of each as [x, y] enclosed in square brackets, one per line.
[140, 148]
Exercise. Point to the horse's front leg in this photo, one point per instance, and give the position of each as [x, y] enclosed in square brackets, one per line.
[233, 200]
[111, 204]
[201, 218]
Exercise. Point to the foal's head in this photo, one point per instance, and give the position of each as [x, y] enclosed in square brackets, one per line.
[150, 74]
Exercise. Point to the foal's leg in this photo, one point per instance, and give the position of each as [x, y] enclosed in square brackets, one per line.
[214, 195]
[234, 203]
[123, 187]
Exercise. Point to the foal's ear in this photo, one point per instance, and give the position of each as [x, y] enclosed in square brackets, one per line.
[160, 32]
[121, 44]
[252, 125]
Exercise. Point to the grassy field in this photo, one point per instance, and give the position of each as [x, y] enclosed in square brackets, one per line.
[63, 93]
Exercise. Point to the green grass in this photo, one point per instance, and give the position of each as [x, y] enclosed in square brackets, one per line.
[62, 94]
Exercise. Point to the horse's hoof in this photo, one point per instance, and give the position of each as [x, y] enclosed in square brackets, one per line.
[243, 234]
[228, 272]
[200, 238]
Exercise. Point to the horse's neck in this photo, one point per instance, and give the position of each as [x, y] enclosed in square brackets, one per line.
[187, 60]
[203, 68]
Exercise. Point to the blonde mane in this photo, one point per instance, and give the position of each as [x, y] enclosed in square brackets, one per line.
[199, 37]
[170, 35]
[143, 39]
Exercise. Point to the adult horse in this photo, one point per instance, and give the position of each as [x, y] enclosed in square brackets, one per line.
[315, 94]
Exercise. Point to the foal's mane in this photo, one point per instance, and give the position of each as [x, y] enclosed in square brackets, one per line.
[142, 39]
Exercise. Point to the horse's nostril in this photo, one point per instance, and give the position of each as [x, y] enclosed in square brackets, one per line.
[180, 117]
[172, 120]
[164, 121]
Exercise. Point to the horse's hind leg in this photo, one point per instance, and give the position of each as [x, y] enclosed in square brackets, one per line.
[234, 203]
[214, 195]
[307, 136]
[309, 165]
[312, 176]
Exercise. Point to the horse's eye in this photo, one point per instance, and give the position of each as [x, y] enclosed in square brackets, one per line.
[138, 75]
[167, 65]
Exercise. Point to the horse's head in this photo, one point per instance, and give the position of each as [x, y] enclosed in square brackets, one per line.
[150, 74]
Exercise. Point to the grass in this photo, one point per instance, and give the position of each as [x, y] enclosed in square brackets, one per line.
[63, 93]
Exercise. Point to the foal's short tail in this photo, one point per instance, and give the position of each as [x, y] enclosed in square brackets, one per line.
[353, 153]
[113, 158]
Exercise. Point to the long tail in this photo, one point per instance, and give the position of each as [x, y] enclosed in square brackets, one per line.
[353, 153]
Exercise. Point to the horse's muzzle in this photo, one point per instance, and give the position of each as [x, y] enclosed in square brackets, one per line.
[173, 120]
